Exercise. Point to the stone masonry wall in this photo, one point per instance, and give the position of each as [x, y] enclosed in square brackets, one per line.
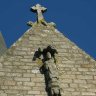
[20, 76]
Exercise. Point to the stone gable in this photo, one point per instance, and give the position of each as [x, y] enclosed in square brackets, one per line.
[20, 75]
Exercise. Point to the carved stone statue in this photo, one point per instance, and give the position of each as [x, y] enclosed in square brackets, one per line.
[50, 70]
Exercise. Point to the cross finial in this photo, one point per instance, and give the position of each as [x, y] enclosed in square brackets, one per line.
[39, 10]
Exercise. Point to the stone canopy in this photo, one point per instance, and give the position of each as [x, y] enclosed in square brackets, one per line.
[20, 75]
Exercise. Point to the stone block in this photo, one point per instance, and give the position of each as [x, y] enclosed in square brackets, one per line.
[21, 79]
[29, 84]
[9, 82]
[88, 94]
[85, 77]
[34, 92]
[78, 81]
[29, 75]
[11, 91]
[25, 67]
[19, 87]
[14, 74]
[2, 74]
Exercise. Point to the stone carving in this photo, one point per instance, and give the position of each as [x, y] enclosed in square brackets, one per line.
[52, 24]
[30, 23]
[48, 57]
[40, 19]
[39, 10]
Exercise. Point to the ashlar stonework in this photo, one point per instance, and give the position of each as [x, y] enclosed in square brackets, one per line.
[20, 75]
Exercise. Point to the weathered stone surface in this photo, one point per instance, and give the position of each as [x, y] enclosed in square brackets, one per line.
[2, 93]
[76, 69]
[20, 75]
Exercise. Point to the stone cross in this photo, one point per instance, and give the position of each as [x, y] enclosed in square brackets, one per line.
[39, 10]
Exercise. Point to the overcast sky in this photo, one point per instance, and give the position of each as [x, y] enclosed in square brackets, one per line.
[75, 18]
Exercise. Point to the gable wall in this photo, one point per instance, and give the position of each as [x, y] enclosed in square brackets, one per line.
[20, 76]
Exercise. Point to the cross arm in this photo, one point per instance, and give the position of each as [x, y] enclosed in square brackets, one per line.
[33, 9]
[44, 9]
